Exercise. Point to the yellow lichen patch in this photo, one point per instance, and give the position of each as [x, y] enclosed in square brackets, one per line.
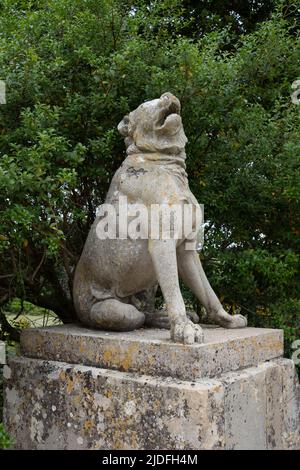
[273, 344]
[151, 359]
[122, 429]
[156, 405]
[62, 375]
[86, 391]
[120, 360]
[217, 388]
[77, 399]
[108, 393]
[87, 425]
[70, 385]
[36, 343]
[81, 345]
[107, 355]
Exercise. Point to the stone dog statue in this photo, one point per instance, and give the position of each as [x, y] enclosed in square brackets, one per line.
[114, 277]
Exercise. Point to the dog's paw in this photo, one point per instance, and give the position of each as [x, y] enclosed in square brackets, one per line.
[157, 319]
[193, 316]
[237, 321]
[230, 321]
[187, 332]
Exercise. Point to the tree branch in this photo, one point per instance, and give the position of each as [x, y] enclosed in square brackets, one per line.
[8, 329]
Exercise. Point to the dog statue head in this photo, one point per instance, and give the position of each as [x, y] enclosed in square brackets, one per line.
[155, 126]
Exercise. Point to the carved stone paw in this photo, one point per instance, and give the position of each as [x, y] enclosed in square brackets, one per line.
[237, 321]
[157, 319]
[193, 316]
[230, 321]
[160, 319]
[186, 332]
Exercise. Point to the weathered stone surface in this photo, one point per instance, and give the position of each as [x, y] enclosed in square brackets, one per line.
[262, 407]
[245, 409]
[254, 407]
[53, 405]
[274, 406]
[150, 351]
[167, 402]
[290, 404]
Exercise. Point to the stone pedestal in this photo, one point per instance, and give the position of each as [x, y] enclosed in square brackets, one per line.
[76, 388]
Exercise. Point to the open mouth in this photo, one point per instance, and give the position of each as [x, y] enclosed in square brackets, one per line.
[172, 108]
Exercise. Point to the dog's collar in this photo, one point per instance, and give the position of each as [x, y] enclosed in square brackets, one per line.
[158, 158]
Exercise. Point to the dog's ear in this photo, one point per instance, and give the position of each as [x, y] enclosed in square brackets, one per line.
[123, 126]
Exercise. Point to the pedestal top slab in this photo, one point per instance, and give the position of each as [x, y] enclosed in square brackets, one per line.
[150, 351]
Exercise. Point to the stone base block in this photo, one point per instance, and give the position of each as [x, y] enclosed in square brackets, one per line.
[50, 404]
[150, 351]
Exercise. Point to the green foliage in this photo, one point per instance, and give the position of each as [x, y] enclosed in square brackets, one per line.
[211, 15]
[73, 68]
[5, 440]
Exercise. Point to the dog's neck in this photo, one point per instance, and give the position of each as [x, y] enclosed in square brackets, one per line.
[155, 153]
[173, 165]
[159, 158]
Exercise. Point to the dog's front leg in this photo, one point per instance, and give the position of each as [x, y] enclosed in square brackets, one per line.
[163, 254]
[193, 275]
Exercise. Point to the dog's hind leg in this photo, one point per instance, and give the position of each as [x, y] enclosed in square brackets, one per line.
[113, 315]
